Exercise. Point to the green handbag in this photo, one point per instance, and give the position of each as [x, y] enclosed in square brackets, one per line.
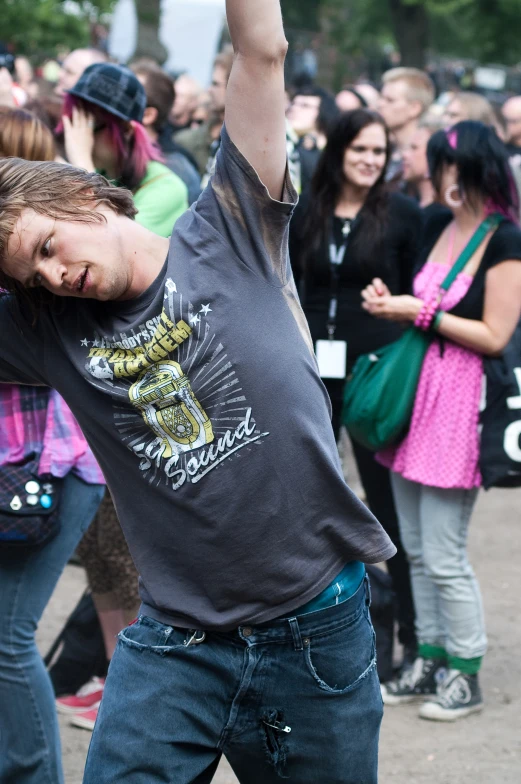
[380, 392]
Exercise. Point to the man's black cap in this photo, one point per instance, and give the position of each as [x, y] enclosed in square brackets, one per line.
[113, 87]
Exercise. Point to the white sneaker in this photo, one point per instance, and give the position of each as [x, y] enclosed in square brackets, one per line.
[458, 696]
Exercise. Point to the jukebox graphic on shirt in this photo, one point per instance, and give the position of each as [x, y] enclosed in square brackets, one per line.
[169, 407]
[175, 433]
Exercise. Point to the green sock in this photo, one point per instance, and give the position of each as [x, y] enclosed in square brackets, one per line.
[431, 651]
[468, 666]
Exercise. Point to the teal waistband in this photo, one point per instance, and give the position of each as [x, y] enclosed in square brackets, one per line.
[342, 588]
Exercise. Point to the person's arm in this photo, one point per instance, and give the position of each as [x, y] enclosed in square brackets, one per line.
[501, 313]
[255, 101]
[490, 336]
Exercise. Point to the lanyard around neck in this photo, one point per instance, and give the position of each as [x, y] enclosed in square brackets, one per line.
[336, 259]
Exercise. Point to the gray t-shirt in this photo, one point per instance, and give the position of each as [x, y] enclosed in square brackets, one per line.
[202, 403]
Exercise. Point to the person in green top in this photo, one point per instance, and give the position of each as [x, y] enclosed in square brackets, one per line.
[161, 198]
[103, 132]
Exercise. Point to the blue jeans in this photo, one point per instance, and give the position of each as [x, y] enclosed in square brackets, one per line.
[294, 698]
[30, 751]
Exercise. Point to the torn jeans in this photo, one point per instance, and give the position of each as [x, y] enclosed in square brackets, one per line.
[296, 698]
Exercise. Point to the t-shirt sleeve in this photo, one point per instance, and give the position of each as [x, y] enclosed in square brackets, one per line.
[21, 347]
[505, 245]
[239, 207]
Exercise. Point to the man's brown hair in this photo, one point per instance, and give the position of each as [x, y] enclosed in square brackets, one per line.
[58, 191]
[159, 89]
[420, 86]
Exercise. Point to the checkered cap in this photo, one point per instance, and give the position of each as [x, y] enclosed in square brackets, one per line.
[114, 88]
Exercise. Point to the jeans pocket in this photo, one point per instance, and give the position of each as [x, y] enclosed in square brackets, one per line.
[340, 660]
[147, 634]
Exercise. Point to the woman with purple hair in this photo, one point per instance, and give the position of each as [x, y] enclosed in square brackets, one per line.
[103, 132]
[435, 469]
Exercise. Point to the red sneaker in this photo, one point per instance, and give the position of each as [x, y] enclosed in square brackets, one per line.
[88, 697]
[86, 720]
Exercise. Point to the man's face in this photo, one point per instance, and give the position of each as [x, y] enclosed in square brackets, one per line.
[185, 101]
[414, 157]
[303, 113]
[69, 258]
[72, 68]
[394, 106]
[217, 89]
[512, 116]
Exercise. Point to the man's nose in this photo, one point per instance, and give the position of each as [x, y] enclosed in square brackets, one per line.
[54, 273]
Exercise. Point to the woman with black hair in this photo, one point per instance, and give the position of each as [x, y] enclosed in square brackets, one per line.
[435, 470]
[348, 229]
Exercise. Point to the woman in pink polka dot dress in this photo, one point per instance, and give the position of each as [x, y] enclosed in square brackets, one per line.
[435, 469]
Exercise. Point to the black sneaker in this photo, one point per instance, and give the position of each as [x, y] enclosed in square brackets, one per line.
[418, 681]
[458, 696]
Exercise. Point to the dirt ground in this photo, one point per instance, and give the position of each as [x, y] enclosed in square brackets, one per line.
[483, 749]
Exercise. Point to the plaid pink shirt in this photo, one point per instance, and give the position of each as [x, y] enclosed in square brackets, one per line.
[37, 420]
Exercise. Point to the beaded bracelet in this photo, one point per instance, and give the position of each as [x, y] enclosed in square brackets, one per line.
[426, 315]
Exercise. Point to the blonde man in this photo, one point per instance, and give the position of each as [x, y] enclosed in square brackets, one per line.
[406, 95]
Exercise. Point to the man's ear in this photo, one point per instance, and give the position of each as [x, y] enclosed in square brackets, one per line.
[415, 110]
[150, 116]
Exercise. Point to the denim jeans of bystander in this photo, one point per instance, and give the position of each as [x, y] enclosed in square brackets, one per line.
[434, 526]
[30, 751]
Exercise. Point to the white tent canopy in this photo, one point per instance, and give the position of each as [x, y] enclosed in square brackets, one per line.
[190, 30]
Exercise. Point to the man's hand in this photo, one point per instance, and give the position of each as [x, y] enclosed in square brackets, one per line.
[255, 102]
[79, 139]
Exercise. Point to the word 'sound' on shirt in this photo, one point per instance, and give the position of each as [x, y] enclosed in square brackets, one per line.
[202, 403]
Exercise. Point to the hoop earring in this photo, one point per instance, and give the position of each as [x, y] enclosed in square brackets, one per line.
[450, 201]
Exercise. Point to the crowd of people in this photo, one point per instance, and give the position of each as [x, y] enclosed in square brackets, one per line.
[398, 187]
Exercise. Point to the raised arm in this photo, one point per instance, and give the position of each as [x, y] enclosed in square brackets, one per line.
[255, 97]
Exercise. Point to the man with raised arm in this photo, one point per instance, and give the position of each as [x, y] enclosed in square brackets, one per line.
[190, 369]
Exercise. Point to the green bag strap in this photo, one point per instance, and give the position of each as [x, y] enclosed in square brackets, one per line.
[491, 222]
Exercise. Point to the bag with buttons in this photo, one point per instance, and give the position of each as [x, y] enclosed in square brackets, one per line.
[28, 504]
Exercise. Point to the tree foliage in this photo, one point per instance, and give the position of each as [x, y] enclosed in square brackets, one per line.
[39, 27]
[484, 30]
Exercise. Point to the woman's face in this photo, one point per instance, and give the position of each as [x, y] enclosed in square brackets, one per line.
[364, 159]
[104, 154]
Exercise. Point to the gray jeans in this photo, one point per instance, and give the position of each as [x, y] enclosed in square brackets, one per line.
[433, 526]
